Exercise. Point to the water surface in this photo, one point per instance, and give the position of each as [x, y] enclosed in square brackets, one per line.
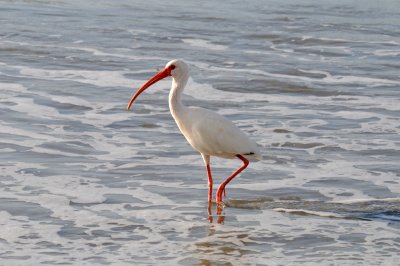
[85, 182]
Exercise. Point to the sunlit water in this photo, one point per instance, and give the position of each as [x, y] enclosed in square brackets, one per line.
[85, 182]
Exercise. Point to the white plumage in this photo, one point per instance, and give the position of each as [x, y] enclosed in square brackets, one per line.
[214, 135]
[208, 132]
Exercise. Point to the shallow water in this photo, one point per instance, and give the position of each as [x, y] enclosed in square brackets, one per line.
[85, 182]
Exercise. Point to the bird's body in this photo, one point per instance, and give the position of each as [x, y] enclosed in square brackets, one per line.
[214, 135]
[208, 132]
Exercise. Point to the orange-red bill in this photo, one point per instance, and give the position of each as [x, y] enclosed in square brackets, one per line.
[159, 76]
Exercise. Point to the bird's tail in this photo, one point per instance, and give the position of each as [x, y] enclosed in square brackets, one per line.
[254, 155]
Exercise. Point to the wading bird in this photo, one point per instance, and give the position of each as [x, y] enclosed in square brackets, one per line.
[208, 132]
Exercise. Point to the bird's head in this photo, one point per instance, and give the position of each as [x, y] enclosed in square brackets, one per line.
[177, 69]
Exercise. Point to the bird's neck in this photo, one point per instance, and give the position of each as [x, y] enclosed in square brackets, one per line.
[175, 103]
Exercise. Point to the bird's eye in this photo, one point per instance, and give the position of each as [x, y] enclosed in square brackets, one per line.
[172, 67]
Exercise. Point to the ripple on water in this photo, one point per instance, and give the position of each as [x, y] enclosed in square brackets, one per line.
[85, 182]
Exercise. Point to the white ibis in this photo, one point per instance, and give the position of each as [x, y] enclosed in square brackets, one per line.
[208, 132]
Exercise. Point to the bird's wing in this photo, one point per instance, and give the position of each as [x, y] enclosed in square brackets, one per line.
[216, 135]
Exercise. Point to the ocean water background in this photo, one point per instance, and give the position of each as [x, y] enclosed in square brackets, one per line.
[85, 182]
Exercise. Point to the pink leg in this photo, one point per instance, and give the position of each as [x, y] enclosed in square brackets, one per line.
[210, 182]
[221, 187]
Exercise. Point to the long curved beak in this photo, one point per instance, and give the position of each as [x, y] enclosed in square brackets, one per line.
[159, 76]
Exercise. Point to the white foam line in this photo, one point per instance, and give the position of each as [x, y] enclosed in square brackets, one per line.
[362, 200]
[382, 52]
[205, 44]
[328, 79]
[97, 52]
[11, 88]
[284, 54]
[203, 92]
[307, 212]
[350, 41]
[98, 78]
[94, 51]
[71, 99]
